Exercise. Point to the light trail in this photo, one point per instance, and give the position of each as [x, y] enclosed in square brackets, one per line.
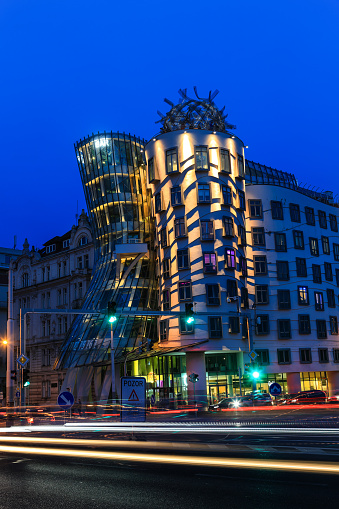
[285, 465]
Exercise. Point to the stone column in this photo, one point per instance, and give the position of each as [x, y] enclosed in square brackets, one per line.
[195, 363]
[293, 382]
[333, 382]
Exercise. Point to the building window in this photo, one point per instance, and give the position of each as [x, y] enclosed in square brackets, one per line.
[79, 262]
[303, 297]
[333, 223]
[334, 325]
[59, 269]
[225, 161]
[46, 389]
[212, 295]
[180, 227]
[59, 326]
[185, 290]
[64, 267]
[260, 265]
[183, 259]
[335, 354]
[326, 245]
[328, 271]
[284, 356]
[316, 272]
[166, 300]
[65, 325]
[319, 301]
[157, 203]
[261, 294]
[242, 236]
[258, 237]
[65, 243]
[163, 238]
[210, 263]
[64, 296]
[25, 280]
[50, 249]
[80, 290]
[172, 160]
[83, 241]
[234, 325]
[243, 266]
[242, 203]
[323, 354]
[185, 328]
[206, 229]
[305, 355]
[241, 166]
[336, 252]
[321, 329]
[48, 327]
[277, 210]
[309, 215]
[255, 207]
[314, 248]
[204, 193]
[262, 325]
[230, 258]
[284, 299]
[263, 358]
[151, 170]
[228, 227]
[244, 297]
[43, 301]
[201, 158]
[166, 268]
[304, 324]
[163, 330]
[284, 329]
[283, 273]
[337, 276]
[59, 297]
[295, 212]
[301, 267]
[280, 242]
[86, 261]
[298, 239]
[176, 196]
[48, 300]
[227, 195]
[330, 298]
[232, 288]
[322, 219]
[215, 327]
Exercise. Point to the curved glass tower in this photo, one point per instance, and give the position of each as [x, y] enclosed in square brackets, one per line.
[113, 173]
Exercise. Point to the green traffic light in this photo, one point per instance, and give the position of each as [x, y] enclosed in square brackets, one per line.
[26, 384]
[112, 319]
[255, 374]
[190, 319]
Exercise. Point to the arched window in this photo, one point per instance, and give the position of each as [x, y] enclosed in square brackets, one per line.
[25, 280]
[83, 241]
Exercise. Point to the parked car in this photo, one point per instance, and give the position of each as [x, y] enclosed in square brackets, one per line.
[304, 398]
[334, 398]
[252, 400]
[221, 405]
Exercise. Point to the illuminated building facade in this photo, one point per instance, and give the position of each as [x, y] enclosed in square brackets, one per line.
[184, 219]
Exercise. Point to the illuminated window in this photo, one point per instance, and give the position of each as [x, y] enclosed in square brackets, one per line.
[230, 260]
[172, 160]
[204, 193]
[319, 301]
[201, 158]
[225, 161]
[210, 262]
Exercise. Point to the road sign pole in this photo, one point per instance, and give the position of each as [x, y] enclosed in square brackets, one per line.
[113, 366]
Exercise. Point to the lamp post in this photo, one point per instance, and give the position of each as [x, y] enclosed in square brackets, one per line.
[112, 319]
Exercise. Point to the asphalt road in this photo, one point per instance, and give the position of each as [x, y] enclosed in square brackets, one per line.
[34, 483]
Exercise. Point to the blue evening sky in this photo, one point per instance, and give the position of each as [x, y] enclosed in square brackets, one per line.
[73, 67]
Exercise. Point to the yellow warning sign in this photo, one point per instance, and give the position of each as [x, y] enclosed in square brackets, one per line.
[133, 396]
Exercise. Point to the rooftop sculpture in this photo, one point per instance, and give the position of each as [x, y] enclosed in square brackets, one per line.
[197, 113]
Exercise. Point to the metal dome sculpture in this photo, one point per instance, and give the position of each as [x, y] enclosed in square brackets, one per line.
[197, 113]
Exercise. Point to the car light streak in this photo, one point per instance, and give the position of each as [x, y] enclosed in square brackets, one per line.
[303, 466]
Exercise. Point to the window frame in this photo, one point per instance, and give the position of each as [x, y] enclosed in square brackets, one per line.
[170, 152]
[294, 212]
[218, 319]
[280, 247]
[202, 149]
[174, 194]
[225, 152]
[277, 210]
[298, 235]
[255, 209]
[265, 289]
[284, 334]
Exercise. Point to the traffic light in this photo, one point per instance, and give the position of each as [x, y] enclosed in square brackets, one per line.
[112, 311]
[193, 378]
[189, 313]
[13, 375]
[26, 378]
[255, 373]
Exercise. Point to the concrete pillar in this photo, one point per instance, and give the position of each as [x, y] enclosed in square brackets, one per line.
[293, 382]
[135, 368]
[195, 363]
[333, 382]
[230, 385]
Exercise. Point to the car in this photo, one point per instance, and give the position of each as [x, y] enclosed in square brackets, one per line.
[305, 398]
[251, 400]
[221, 405]
[334, 398]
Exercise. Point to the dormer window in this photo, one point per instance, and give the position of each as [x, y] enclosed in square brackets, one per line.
[65, 243]
[51, 248]
[83, 241]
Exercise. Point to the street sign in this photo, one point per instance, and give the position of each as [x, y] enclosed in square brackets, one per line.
[133, 399]
[253, 355]
[22, 360]
[275, 389]
[17, 394]
[66, 399]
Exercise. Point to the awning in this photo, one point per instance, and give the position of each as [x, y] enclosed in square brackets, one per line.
[158, 351]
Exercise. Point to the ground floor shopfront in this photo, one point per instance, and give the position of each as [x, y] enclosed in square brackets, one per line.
[220, 376]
